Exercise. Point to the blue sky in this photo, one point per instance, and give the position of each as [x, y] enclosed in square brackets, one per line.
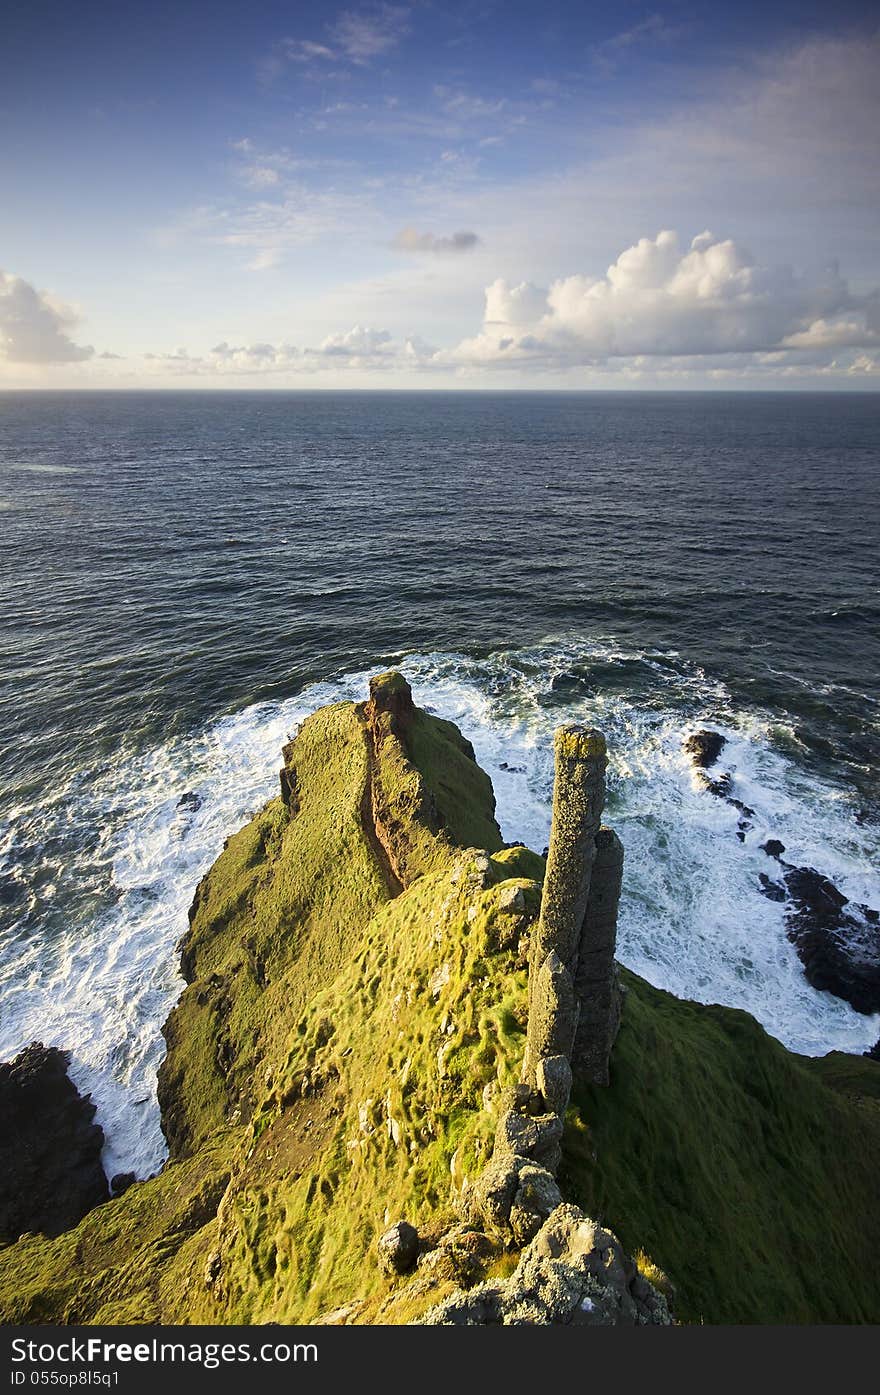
[437, 194]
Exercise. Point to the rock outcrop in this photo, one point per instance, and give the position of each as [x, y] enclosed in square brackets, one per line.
[573, 1018]
[573, 997]
[50, 1148]
[573, 1273]
[704, 748]
[838, 942]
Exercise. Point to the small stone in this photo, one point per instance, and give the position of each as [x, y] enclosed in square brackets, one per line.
[439, 979]
[398, 1248]
[553, 1079]
[529, 1136]
[536, 1197]
[512, 900]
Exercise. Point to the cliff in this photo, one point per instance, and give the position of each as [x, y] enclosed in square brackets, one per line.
[353, 1029]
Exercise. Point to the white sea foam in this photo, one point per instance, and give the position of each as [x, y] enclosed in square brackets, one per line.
[692, 918]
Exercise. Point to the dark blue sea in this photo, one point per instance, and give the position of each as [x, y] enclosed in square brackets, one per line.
[186, 575]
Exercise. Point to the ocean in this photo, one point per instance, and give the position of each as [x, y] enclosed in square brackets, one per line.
[186, 575]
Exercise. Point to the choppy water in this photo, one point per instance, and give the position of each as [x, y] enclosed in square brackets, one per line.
[185, 576]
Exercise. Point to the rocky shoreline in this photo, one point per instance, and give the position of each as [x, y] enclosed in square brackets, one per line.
[838, 941]
[407, 1082]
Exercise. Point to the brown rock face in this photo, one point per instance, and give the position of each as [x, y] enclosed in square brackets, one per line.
[391, 694]
[50, 1149]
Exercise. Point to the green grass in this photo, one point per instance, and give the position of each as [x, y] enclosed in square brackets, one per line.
[733, 1164]
[330, 1064]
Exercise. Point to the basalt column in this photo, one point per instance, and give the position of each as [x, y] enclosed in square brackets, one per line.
[596, 981]
[578, 796]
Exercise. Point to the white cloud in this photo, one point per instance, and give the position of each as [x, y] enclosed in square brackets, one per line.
[261, 177]
[658, 299]
[305, 51]
[653, 28]
[365, 34]
[34, 325]
[252, 357]
[411, 240]
[361, 342]
[357, 36]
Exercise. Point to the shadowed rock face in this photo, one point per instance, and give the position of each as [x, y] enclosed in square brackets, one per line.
[50, 1150]
[574, 998]
[578, 797]
[390, 693]
[596, 980]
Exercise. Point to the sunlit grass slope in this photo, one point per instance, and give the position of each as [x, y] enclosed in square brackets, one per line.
[356, 962]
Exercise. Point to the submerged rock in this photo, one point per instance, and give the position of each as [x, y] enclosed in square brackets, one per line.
[573, 1273]
[838, 942]
[50, 1148]
[704, 747]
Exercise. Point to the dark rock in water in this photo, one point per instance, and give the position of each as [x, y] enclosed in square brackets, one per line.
[838, 947]
[874, 1053]
[772, 890]
[704, 747]
[50, 1149]
[564, 682]
[773, 847]
[814, 892]
[121, 1182]
[398, 1248]
[720, 786]
[190, 801]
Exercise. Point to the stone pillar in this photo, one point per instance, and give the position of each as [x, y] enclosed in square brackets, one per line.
[578, 796]
[596, 981]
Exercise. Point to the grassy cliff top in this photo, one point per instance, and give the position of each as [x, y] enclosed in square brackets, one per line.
[356, 1001]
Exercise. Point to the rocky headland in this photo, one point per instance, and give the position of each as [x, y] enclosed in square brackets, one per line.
[408, 1083]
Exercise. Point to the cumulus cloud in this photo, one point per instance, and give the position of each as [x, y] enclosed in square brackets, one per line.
[361, 342]
[252, 357]
[34, 325]
[660, 299]
[411, 240]
[361, 347]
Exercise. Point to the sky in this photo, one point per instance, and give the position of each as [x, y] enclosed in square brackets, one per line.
[481, 194]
